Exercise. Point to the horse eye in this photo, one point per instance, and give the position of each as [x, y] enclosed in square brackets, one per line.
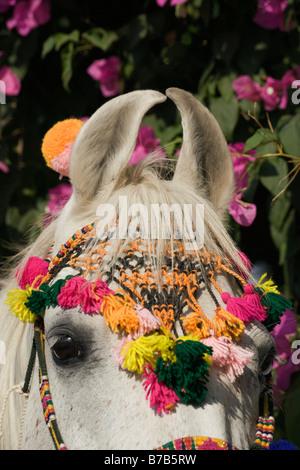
[65, 348]
[267, 365]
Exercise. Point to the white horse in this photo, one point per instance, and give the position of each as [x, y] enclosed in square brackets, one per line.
[98, 404]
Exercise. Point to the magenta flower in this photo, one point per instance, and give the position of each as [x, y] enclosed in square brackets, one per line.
[9, 82]
[270, 14]
[246, 88]
[275, 92]
[161, 3]
[242, 212]
[4, 167]
[284, 367]
[146, 144]
[29, 15]
[6, 4]
[107, 72]
[58, 197]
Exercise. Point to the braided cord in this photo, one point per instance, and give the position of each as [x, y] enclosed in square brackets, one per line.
[45, 394]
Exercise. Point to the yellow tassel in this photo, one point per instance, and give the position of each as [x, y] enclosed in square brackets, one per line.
[16, 299]
[146, 349]
[207, 358]
[267, 286]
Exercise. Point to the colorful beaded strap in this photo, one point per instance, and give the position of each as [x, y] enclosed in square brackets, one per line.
[45, 394]
[198, 443]
[266, 422]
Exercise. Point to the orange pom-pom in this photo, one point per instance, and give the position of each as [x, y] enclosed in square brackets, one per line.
[58, 142]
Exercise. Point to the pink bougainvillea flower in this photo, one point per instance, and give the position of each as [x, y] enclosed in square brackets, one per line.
[240, 161]
[270, 14]
[6, 4]
[146, 144]
[275, 92]
[107, 72]
[161, 3]
[28, 15]
[12, 84]
[286, 329]
[58, 197]
[245, 87]
[284, 366]
[242, 212]
[4, 167]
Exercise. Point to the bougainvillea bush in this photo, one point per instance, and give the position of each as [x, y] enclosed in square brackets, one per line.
[64, 58]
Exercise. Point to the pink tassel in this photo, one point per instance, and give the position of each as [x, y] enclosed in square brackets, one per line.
[119, 358]
[220, 347]
[238, 359]
[162, 398]
[229, 357]
[147, 321]
[247, 308]
[252, 298]
[67, 297]
[89, 295]
[34, 268]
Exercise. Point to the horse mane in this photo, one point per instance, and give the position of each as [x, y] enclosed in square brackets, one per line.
[147, 185]
[17, 338]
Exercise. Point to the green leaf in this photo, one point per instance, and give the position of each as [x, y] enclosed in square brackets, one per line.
[272, 174]
[57, 40]
[261, 136]
[48, 45]
[289, 135]
[67, 54]
[101, 38]
[254, 141]
[280, 237]
[227, 115]
[225, 87]
[279, 210]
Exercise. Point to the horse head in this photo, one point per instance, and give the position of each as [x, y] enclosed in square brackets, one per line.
[146, 337]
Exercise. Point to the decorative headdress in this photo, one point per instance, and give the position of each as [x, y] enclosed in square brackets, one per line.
[147, 308]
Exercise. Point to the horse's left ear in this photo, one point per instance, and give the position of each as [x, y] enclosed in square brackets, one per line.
[105, 143]
[204, 161]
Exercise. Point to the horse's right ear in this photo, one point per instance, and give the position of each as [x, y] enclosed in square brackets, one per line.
[204, 162]
[105, 143]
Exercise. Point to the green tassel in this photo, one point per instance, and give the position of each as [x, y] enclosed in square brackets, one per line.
[276, 305]
[45, 296]
[189, 374]
[37, 300]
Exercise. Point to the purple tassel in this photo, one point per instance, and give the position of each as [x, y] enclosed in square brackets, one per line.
[282, 445]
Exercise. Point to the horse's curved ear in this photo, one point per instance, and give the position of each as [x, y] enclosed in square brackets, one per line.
[204, 160]
[105, 143]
